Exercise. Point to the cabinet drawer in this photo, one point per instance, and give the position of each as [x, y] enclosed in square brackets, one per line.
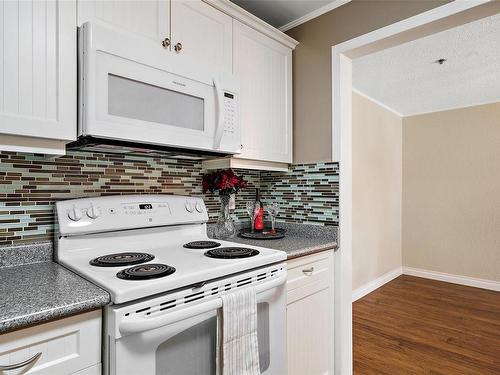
[65, 346]
[309, 270]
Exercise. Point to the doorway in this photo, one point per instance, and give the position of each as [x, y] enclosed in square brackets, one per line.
[443, 18]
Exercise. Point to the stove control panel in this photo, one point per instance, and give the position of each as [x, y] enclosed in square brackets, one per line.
[101, 214]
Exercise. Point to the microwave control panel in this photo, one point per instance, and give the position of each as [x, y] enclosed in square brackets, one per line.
[230, 113]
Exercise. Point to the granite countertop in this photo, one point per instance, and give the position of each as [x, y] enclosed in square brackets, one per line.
[300, 239]
[42, 290]
[34, 289]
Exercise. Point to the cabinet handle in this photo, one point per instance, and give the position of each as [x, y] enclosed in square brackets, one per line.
[29, 361]
[308, 271]
[165, 43]
[178, 47]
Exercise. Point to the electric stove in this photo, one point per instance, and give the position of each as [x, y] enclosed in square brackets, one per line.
[138, 246]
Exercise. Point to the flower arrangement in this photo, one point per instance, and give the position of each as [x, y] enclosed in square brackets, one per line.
[223, 182]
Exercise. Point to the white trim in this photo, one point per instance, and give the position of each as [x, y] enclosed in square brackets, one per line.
[237, 163]
[252, 21]
[343, 258]
[313, 14]
[375, 284]
[441, 18]
[453, 108]
[445, 17]
[375, 101]
[33, 145]
[445, 109]
[454, 279]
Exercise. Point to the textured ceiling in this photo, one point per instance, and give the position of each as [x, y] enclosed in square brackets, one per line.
[280, 12]
[406, 79]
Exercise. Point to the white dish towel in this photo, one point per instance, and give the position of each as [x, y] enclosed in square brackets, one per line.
[238, 344]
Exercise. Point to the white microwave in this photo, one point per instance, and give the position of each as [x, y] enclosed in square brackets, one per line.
[133, 92]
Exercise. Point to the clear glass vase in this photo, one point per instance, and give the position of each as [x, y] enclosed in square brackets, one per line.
[224, 228]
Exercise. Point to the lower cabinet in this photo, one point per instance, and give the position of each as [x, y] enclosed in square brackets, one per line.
[62, 347]
[310, 315]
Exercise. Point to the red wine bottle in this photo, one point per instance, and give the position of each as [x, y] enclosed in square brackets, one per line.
[259, 218]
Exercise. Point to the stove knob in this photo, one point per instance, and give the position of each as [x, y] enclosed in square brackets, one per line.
[93, 212]
[75, 214]
[199, 208]
[189, 207]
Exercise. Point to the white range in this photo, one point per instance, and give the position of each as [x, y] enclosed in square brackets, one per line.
[165, 278]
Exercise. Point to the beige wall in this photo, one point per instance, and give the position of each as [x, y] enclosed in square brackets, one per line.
[312, 65]
[451, 191]
[377, 191]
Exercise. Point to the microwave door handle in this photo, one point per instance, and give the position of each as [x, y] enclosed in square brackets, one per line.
[219, 126]
[130, 326]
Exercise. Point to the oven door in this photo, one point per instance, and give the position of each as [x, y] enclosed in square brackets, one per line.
[188, 346]
[135, 92]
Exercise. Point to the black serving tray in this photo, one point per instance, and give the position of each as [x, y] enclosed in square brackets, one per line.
[264, 235]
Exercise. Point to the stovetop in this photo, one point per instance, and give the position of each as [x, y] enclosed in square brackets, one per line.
[166, 245]
[159, 243]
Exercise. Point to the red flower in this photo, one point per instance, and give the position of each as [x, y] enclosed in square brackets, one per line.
[223, 182]
[235, 181]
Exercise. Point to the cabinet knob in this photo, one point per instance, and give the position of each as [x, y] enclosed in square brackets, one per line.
[165, 43]
[178, 47]
[308, 271]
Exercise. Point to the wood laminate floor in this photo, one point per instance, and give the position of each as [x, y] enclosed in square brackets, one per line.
[418, 326]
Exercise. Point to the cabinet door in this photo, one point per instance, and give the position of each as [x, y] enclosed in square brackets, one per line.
[204, 33]
[264, 67]
[310, 324]
[147, 18]
[307, 334]
[38, 69]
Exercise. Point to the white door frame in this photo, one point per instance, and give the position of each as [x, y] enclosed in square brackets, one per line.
[439, 19]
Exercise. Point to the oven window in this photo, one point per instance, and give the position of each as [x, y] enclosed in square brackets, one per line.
[141, 101]
[193, 351]
[263, 336]
[190, 352]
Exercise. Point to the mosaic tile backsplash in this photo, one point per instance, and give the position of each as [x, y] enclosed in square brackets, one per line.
[307, 193]
[30, 184]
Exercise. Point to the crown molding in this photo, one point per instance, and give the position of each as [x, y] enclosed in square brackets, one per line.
[380, 104]
[252, 21]
[315, 13]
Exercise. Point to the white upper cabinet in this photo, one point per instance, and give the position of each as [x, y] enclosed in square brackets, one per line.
[202, 34]
[189, 29]
[264, 67]
[148, 18]
[37, 71]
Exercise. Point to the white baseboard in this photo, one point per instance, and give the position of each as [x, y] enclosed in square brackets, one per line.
[454, 279]
[433, 275]
[375, 284]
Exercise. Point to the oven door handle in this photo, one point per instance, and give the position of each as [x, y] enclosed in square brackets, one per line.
[130, 326]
